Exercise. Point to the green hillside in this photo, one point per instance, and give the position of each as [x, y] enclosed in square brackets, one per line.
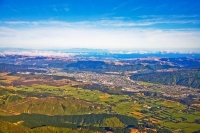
[72, 121]
[7, 127]
[190, 78]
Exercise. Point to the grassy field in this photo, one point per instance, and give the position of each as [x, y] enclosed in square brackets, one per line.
[65, 99]
[186, 127]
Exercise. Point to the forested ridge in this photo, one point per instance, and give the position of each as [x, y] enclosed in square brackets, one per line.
[187, 77]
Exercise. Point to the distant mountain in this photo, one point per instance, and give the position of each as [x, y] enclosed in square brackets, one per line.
[83, 50]
[101, 66]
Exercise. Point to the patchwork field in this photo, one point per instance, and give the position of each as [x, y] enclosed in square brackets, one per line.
[58, 95]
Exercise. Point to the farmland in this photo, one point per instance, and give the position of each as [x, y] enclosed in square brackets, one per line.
[77, 95]
[63, 97]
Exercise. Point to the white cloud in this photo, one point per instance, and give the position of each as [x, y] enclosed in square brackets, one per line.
[66, 37]
[169, 16]
[104, 23]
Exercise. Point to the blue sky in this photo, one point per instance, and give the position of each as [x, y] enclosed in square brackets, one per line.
[110, 24]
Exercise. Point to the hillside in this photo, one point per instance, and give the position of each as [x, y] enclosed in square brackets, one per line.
[188, 77]
[101, 66]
